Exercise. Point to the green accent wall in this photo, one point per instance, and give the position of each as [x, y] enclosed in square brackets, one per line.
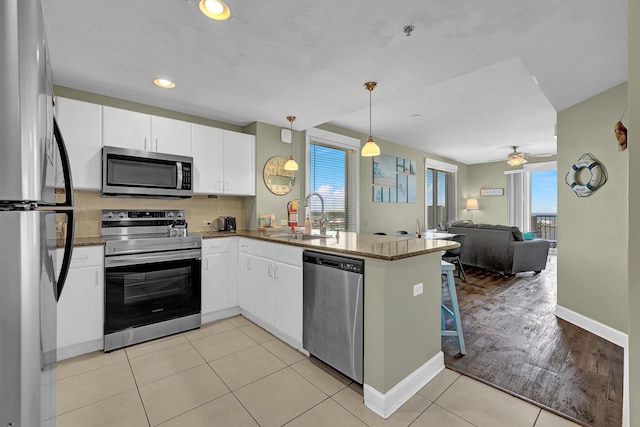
[593, 231]
[633, 181]
[401, 332]
[391, 217]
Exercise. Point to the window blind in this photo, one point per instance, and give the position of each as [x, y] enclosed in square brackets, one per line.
[332, 173]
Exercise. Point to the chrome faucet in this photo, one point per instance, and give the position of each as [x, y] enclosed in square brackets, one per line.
[323, 217]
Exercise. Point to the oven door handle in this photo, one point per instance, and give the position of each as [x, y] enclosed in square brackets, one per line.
[148, 258]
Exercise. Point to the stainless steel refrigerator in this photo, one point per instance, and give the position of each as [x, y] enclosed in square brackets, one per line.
[31, 154]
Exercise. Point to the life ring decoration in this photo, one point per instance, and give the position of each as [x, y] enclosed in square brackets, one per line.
[597, 179]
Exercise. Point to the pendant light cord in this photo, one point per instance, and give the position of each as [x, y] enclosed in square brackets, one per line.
[370, 111]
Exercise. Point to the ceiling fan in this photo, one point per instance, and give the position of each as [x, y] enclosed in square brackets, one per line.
[516, 158]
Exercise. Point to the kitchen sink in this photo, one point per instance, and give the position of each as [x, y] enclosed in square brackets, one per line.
[300, 236]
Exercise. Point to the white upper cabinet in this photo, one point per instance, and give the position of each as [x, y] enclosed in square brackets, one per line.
[139, 131]
[224, 161]
[206, 145]
[170, 136]
[79, 124]
[239, 153]
[126, 129]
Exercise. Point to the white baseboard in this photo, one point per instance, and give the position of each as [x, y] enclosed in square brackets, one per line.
[593, 326]
[609, 334]
[386, 404]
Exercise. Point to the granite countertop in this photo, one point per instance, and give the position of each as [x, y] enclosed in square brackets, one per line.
[366, 245]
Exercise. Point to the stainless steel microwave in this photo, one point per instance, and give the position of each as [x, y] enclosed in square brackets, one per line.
[137, 173]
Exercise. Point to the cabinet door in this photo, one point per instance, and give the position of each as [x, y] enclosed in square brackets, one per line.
[206, 148]
[80, 124]
[288, 300]
[81, 306]
[217, 282]
[126, 129]
[245, 300]
[239, 163]
[263, 289]
[219, 274]
[170, 136]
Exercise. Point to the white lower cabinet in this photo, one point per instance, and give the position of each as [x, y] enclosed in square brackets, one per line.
[288, 299]
[81, 304]
[219, 276]
[273, 287]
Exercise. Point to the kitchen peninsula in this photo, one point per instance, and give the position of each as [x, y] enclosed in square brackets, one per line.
[402, 344]
[259, 275]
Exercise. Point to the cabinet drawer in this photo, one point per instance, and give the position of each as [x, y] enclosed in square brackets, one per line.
[219, 245]
[289, 255]
[245, 245]
[86, 256]
[263, 249]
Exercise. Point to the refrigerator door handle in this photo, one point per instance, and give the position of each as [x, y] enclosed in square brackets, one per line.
[66, 166]
[68, 250]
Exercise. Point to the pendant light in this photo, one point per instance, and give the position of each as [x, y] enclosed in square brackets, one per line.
[291, 164]
[370, 149]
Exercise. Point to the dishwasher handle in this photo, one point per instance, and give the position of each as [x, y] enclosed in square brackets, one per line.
[329, 263]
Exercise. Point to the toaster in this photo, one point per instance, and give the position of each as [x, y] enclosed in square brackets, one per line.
[226, 223]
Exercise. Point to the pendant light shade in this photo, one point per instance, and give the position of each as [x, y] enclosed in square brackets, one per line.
[291, 164]
[370, 149]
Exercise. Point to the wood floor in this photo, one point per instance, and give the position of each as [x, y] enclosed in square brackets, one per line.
[516, 343]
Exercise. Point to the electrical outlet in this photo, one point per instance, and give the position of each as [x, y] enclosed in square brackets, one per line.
[206, 223]
[417, 289]
[284, 222]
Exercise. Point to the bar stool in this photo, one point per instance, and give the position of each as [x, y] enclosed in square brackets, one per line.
[446, 269]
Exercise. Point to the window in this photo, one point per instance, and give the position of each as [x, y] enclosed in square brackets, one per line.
[532, 198]
[440, 193]
[332, 172]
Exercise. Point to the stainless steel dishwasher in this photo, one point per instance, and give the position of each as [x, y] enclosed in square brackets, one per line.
[333, 293]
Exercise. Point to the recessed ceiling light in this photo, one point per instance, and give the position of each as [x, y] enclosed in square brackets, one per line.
[164, 83]
[414, 116]
[215, 9]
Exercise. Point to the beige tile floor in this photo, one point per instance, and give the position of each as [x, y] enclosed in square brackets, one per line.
[233, 373]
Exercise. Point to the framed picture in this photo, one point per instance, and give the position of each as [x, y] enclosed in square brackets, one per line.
[384, 170]
[491, 192]
[385, 194]
[402, 188]
[411, 189]
[393, 195]
[377, 193]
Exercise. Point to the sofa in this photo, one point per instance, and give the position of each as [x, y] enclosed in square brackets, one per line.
[500, 248]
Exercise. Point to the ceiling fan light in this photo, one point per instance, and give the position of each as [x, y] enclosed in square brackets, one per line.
[516, 160]
[291, 164]
[370, 149]
[215, 9]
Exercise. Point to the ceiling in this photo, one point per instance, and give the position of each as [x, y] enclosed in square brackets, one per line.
[471, 80]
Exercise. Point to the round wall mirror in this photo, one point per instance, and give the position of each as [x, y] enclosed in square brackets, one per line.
[278, 180]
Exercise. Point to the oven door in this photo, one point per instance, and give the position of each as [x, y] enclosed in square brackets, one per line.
[143, 289]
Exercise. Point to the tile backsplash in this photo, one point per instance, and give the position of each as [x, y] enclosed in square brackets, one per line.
[88, 205]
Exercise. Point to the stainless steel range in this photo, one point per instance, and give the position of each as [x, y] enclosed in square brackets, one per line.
[152, 276]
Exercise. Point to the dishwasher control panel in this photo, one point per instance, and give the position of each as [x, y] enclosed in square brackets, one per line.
[339, 262]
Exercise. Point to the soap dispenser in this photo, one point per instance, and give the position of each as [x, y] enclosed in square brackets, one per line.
[307, 225]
